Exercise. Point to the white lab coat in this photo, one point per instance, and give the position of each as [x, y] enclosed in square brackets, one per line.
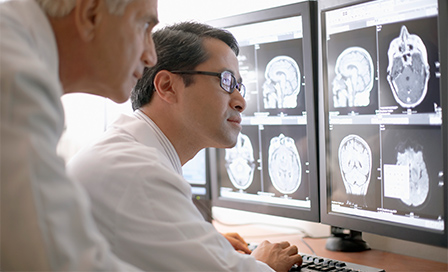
[143, 205]
[45, 218]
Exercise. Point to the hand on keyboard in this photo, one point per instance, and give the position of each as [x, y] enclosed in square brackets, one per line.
[279, 256]
[315, 263]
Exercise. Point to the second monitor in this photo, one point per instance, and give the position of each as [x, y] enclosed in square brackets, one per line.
[273, 167]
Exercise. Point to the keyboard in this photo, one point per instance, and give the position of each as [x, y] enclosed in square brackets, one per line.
[315, 263]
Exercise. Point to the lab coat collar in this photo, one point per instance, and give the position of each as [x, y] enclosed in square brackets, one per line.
[163, 140]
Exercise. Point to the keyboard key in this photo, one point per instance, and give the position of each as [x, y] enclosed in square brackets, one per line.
[316, 263]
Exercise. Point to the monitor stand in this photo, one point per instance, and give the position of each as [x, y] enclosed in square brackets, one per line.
[346, 240]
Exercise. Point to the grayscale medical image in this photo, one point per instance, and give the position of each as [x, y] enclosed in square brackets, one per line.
[412, 163]
[282, 83]
[354, 78]
[285, 168]
[410, 154]
[240, 162]
[408, 69]
[355, 162]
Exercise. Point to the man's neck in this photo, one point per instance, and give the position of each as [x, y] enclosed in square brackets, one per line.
[185, 148]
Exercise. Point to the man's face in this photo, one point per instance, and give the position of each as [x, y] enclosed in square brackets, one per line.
[124, 46]
[212, 115]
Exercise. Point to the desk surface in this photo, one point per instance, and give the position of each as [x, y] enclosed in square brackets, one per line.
[375, 258]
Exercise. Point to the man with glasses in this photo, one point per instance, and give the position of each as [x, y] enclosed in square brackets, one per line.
[191, 99]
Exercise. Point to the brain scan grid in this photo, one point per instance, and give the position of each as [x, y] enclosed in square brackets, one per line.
[270, 161]
[382, 91]
[382, 104]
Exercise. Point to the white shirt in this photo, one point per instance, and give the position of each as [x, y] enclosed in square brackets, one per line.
[143, 205]
[45, 218]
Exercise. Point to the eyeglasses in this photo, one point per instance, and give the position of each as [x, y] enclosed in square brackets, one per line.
[228, 81]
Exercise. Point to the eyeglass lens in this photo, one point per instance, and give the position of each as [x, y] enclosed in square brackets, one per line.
[228, 83]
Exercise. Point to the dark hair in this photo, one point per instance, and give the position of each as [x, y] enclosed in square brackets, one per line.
[178, 47]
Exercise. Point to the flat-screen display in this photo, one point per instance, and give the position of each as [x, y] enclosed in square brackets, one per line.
[382, 143]
[273, 167]
[195, 171]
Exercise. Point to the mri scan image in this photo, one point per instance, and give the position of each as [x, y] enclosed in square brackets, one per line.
[355, 162]
[282, 83]
[240, 163]
[408, 69]
[354, 78]
[410, 154]
[285, 168]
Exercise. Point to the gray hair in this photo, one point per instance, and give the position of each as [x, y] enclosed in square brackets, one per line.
[60, 8]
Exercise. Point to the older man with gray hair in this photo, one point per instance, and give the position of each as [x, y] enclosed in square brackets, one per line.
[49, 48]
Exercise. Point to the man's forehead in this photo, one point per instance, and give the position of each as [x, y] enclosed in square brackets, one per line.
[219, 53]
[147, 8]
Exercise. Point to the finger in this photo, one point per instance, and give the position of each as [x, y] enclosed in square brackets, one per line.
[284, 244]
[237, 236]
[238, 245]
[292, 250]
[243, 247]
[265, 242]
[297, 259]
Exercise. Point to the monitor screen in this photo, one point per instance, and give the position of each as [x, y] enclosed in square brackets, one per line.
[195, 171]
[273, 167]
[382, 160]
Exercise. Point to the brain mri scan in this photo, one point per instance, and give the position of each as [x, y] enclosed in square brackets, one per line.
[355, 162]
[285, 169]
[354, 78]
[411, 155]
[240, 163]
[408, 69]
[282, 85]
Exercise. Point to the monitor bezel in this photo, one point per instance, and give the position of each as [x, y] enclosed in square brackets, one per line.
[307, 11]
[365, 224]
[208, 195]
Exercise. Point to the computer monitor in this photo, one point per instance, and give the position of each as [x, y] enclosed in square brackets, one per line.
[273, 167]
[196, 172]
[383, 142]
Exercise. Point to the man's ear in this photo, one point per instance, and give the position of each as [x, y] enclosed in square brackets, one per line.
[88, 14]
[166, 85]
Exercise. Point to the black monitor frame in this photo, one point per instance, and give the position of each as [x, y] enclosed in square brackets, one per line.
[307, 11]
[390, 229]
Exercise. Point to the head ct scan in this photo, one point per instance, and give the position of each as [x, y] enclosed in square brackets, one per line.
[408, 69]
[388, 158]
[282, 83]
[270, 163]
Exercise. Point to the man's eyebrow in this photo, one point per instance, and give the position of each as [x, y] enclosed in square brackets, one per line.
[154, 20]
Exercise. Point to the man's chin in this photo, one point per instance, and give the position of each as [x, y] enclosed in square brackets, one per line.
[120, 97]
[120, 100]
[232, 144]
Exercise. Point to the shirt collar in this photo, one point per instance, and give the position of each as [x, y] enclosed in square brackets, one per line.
[164, 141]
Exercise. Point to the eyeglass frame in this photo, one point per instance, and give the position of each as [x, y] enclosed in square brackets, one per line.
[238, 85]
